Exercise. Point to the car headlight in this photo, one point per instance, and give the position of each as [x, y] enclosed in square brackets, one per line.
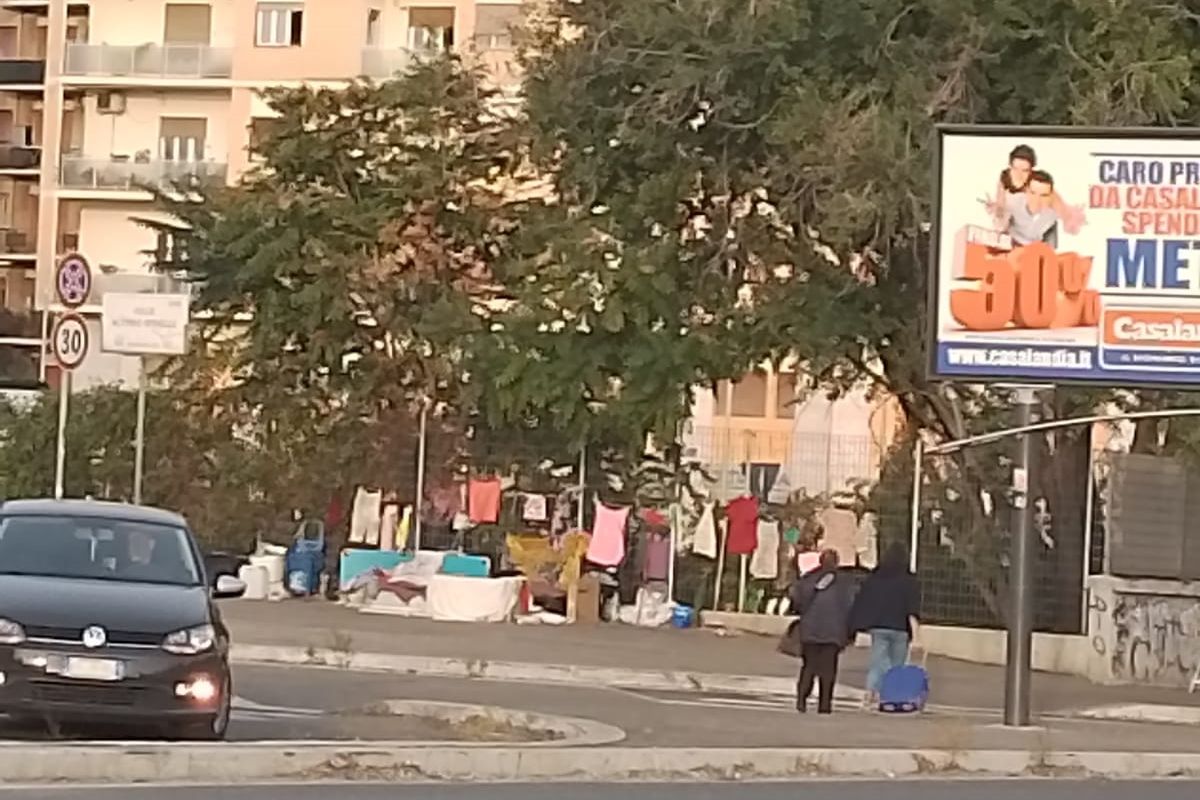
[190, 641]
[11, 632]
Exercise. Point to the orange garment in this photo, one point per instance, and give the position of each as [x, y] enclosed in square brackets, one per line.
[483, 500]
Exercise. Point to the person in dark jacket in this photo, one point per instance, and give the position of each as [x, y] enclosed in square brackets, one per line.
[889, 608]
[823, 599]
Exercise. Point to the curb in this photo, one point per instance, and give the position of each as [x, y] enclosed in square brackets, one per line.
[568, 731]
[284, 761]
[567, 674]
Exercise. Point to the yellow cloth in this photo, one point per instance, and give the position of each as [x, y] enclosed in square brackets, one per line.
[402, 529]
[533, 555]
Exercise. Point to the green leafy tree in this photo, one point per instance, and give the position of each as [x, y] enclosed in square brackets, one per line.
[772, 158]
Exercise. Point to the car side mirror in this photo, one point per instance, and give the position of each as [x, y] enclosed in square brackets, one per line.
[228, 587]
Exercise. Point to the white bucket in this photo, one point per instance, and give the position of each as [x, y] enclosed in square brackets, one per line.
[255, 578]
[273, 565]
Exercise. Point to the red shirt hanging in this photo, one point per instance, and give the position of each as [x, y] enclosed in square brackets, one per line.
[743, 525]
[483, 501]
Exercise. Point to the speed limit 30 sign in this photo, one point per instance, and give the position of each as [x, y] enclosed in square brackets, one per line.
[69, 340]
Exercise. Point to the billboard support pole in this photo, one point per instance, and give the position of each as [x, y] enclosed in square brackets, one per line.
[1018, 667]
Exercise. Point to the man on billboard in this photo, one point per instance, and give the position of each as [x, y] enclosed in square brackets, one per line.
[1031, 215]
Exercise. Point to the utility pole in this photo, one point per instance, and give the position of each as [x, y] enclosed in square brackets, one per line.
[1018, 672]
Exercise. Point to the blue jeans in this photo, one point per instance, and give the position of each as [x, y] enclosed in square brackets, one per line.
[888, 649]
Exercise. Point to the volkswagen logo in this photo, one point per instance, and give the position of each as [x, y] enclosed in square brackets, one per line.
[94, 637]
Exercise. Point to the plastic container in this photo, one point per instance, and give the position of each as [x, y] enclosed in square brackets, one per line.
[257, 584]
[273, 565]
[683, 617]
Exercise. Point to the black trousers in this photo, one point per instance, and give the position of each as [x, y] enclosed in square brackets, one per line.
[819, 664]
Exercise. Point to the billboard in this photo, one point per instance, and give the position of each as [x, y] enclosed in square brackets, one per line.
[1066, 255]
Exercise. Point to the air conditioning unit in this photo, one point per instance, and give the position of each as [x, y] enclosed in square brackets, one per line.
[110, 102]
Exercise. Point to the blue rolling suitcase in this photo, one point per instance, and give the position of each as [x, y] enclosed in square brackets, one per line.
[904, 690]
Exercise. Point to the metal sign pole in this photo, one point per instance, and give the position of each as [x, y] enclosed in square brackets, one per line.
[139, 444]
[60, 450]
[579, 518]
[419, 501]
[1018, 666]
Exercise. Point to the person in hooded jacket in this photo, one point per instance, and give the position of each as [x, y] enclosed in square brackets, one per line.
[823, 599]
[888, 607]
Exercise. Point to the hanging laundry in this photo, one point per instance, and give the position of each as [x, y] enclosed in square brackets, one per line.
[608, 536]
[441, 504]
[653, 518]
[483, 502]
[656, 557]
[387, 526]
[335, 513]
[705, 542]
[840, 528]
[534, 508]
[868, 541]
[403, 527]
[742, 513]
[807, 561]
[764, 564]
[364, 517]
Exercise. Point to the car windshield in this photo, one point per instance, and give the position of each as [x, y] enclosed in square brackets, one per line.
[95, 548]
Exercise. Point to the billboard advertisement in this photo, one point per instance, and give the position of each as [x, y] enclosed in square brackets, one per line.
[1066, 255]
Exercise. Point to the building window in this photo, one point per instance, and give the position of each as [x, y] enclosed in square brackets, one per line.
[187, 23]
[749, 395]
[261, 129]
[170, 249]
[182, 138]
[431, 30]
[785, 395]
[494, 26]
[279, 25]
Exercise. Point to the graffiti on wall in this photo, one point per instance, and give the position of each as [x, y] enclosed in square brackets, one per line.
[1157, 638]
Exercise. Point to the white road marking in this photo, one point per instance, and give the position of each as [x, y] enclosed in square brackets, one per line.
[244, 709]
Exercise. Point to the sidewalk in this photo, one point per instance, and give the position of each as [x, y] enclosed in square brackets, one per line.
[320, 625]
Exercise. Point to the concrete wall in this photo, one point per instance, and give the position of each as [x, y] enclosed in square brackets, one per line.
[110, 238]
[138, 128]
[1139, 631]
[126, 22]
[1144, 631]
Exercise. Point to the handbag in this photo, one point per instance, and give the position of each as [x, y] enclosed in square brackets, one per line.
[789, 643]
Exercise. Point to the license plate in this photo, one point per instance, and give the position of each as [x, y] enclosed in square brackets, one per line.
[93, 669]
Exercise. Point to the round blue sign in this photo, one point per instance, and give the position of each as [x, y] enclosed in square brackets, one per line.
[73, 280]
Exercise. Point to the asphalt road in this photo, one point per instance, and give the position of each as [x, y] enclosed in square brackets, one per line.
[948, 789]
[309, 703]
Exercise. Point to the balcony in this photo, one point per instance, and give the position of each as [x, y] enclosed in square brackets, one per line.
[150, 61]
[16, 158]
[80, 173]
[385, 62]
[22, 72]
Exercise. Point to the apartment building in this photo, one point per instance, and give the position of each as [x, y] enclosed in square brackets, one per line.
[770, 424]
[98, 99]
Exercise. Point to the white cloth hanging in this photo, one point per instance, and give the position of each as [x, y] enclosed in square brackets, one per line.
[364, 518]
[388, 521]
[764, 564]
[705, 542]
[534, 508]
[840, 526]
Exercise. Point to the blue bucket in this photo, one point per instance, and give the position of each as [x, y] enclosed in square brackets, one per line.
[683, 617]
